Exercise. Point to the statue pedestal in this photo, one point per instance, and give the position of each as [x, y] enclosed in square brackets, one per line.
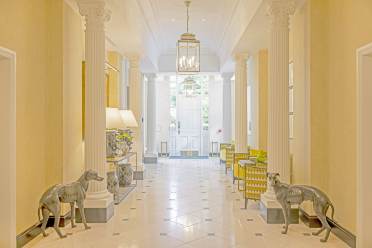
[272, 212]
[98, 207]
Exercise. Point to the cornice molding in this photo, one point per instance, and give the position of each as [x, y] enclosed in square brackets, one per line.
[241, 57]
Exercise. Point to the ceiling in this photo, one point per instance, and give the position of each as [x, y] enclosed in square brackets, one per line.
[152, 27]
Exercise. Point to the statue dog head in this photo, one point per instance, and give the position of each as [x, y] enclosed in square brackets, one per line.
[90, 175]
[273, 178]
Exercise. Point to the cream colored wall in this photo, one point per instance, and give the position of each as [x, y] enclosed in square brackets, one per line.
[338, 29]
[350, 25]
[319, 171]
[24, 30]
[299, 56]
[54, 93]
[73, 55]
[114, 59]
[34, 30]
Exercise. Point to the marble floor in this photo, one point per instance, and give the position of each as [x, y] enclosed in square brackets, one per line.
[188, 204]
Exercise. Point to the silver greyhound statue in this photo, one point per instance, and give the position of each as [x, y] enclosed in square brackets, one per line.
[296, 194]
[51, 200]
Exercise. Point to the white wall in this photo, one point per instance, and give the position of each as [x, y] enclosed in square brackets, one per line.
[162, 111]
[215, 109]
[208, 63]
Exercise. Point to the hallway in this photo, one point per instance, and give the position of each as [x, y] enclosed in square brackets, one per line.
[189, 204]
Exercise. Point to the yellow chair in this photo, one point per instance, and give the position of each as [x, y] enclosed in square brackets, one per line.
[238, 172]
[229, 157]
[255, 181]
[223, 147]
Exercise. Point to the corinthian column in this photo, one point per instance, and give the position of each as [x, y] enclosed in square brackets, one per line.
[278, 117]
[226, 107]
[150, 156]
[241, 141]
[98, 203]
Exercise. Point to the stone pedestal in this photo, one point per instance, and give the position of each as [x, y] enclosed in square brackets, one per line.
[272, 212]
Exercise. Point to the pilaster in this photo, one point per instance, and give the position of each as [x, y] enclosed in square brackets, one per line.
[241, 135]
[226, 107]
[150, 156]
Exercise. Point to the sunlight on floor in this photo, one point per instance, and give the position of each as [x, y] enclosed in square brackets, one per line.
[188, 204]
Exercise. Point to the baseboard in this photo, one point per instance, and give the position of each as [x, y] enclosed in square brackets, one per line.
[340, 232]
[33, 231]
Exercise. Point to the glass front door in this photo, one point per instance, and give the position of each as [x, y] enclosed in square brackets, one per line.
[189, 116]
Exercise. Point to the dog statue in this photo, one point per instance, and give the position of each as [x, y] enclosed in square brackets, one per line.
[296, 194]
[71, 193]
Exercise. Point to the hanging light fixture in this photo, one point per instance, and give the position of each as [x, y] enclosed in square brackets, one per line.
[188, 50]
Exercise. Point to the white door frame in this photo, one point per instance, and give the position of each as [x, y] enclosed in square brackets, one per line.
[364, 141]
[8, 148]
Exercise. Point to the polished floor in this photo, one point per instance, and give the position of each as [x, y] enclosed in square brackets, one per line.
[188, 204]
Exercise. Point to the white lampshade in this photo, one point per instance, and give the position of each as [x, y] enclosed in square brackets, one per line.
[128, 118]
[113, 119]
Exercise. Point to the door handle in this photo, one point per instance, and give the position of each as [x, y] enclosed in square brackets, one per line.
[179, 127]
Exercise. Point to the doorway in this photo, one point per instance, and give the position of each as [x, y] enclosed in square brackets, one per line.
[7, 149]
[364, 144]
[189, 117]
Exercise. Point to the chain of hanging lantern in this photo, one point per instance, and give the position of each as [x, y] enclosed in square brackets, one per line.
[188, 50]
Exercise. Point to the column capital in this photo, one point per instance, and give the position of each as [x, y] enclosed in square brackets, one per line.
[241, 57]
[226, 76]
[151, 77]
[94, 12]
[134, 60]
[279, 11]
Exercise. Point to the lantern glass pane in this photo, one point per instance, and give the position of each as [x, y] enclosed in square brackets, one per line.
[188, 56]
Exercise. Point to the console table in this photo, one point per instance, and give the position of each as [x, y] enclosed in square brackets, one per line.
[124, 191]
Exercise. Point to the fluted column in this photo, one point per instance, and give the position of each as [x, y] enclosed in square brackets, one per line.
[278, 98]
[95, 115]
[226, 107]
[241, 139]
[151, 113]
[135, 102]
[278, 119]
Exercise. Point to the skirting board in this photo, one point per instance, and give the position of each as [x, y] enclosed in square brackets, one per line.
[35, 230]
[337, 229]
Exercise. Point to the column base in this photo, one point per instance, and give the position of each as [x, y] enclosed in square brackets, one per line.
[150, 158]
[98, 208]
[272, 213]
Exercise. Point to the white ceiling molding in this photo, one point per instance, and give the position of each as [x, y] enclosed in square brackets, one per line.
[151, 28]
